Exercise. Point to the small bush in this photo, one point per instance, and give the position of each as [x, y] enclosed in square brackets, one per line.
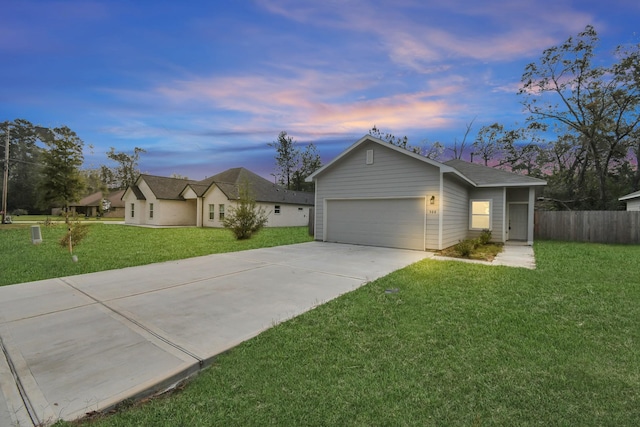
[485, 237]
[465, 247]
[246, 218]
[18, 212]
[77, 232]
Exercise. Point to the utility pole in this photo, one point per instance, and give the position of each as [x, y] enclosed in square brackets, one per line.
[5, 180]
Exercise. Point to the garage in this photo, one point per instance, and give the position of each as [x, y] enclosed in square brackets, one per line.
[394, 223]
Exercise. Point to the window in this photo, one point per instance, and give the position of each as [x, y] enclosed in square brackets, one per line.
[133, 210]
[480, 214]
[151, 210]
[221, 214]
[276, 210]
[212, 212]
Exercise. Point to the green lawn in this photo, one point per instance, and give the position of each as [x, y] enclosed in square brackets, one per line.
[459, 344]
[111, 246]
[57, 218]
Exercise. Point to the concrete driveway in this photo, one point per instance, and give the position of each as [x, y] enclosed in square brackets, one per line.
[84, 343]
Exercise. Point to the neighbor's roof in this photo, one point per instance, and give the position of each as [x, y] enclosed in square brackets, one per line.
[484, 176]
[630, 196]
[228, 182]
[95, 199]
[166, 188]
[263, 190]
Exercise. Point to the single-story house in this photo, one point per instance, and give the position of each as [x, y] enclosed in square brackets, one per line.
[378, 194]
[162, 201]
[633, 201]
[111, 205]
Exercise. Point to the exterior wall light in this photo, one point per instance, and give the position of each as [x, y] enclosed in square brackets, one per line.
[432, 200]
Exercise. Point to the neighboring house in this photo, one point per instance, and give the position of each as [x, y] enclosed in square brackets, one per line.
[375, 193]
[633, 201]
[161, 201]
[91, 205]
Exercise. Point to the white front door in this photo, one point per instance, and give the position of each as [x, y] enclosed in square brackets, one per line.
[518, 214]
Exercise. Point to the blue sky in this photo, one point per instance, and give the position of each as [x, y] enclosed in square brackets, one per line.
[205, 85]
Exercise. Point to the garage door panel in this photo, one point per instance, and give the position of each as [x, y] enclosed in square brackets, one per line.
[398, 223]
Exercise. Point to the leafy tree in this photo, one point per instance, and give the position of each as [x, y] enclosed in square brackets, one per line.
[309, 163]
[126, 172]
[294, 166]
[287, 158]
[24, 164]
[246, 218]
[488, 142]
[178, 176]
[93, 181]
[596, 105]
[63, 182]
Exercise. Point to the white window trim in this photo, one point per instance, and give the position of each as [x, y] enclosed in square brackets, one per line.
[471, 213]
[277, 209]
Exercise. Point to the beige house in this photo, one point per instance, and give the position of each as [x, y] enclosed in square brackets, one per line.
[378, 194]
[632, 200]
[110, 204]
[162, 201]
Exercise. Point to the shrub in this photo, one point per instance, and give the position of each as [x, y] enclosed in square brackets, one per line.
[465, 247]
[245, 219]
[77, 232]
[485, 237]
[18, 212]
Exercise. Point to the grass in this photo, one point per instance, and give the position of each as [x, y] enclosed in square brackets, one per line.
[57, 218]
[112, 246]
[459, 344]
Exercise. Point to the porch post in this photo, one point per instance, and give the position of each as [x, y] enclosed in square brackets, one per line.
[198, 211]
[530, 215]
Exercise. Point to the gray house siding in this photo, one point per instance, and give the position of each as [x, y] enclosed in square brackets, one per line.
[498, 211]
[455, 222]
[633, 205]
[391, 175]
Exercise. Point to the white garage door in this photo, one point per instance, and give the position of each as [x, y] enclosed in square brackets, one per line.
[394, 223]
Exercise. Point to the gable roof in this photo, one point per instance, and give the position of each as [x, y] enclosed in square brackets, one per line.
[630, 196]
[228, 182]
[165, 188]
[95, 199]
[263, 190]
[369, 138]
[484, 176]
[474, 174]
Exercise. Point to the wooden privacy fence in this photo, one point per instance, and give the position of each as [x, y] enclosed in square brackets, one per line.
[588, 226]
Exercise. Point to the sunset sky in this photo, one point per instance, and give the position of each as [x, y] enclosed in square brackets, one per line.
[205, 85]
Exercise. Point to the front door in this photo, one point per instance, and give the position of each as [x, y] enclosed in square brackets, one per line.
[518, 214]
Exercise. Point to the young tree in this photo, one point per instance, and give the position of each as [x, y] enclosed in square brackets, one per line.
[293, 165]
[287, 159]
[63, 182]
[246, 218]
[597, 104]
[126, 172]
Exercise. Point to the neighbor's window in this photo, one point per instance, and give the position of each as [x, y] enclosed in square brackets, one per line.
[133, 209]
[276, 210]
[150, 210]
[212, 212]
[221, 215]
[480, 214]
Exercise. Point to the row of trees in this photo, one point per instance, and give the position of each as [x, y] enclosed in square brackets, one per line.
[45, 167]
[583, 131]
